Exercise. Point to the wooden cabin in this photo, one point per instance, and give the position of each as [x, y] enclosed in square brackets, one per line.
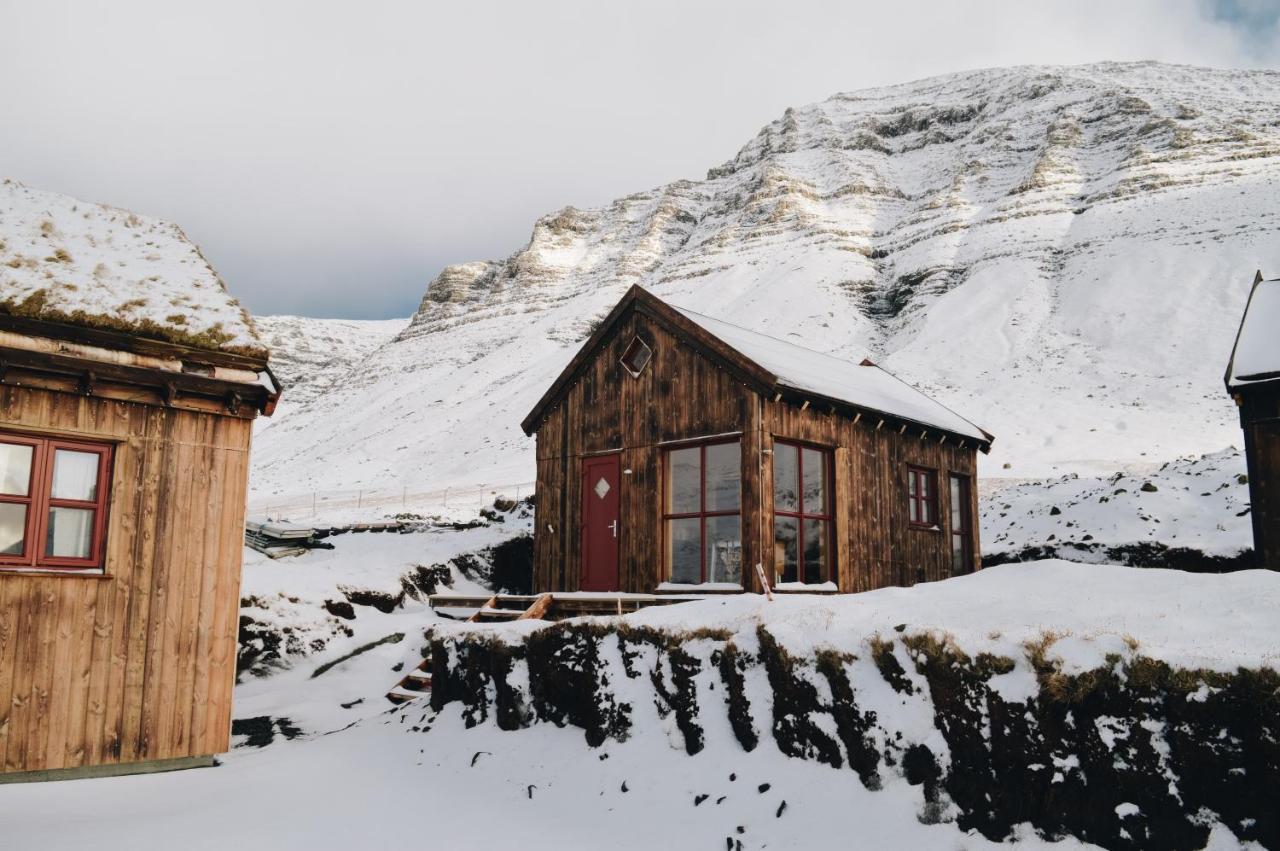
[129, 383]
[1253, 380]
[676, 452]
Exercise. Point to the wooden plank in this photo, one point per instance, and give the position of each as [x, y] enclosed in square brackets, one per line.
[73, 738]
[130, 519]
[153, 492]
[21, 700]
[538, 610]
[843, 518]
[11, 610]
[213, 559]
[222, 651]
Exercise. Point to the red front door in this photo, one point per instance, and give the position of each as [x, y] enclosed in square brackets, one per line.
[600, 522]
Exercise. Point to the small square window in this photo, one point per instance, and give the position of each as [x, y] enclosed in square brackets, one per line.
[636, 357]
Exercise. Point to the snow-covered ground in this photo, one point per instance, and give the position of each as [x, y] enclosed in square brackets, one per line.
[1201, 503]
[358, 776]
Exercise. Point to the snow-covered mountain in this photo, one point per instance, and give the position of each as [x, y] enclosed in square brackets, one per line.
[1059, 253]
[308, 355]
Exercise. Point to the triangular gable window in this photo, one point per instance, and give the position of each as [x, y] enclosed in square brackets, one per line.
[636, 357]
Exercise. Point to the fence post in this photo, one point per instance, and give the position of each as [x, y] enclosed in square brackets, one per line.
[359, 500]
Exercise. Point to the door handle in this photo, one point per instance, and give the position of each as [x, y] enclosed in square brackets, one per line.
[614, 527]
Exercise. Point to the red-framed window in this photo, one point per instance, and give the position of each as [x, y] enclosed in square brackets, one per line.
[961, 525]
[922, 497]
[802, 519]
[702, 512]
[53, 502]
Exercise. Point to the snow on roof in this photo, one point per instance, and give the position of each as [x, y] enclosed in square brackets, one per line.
[1257, 352]
[867, 386]
[64, 260]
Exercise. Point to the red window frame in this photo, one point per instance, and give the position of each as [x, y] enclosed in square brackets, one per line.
[40, 500]
[963, 531]
[702, 514]
[922, 497]
[801, 515]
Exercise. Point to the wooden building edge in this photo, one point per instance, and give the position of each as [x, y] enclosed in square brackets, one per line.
[608, 428]
[119, 598]
[1253, 381]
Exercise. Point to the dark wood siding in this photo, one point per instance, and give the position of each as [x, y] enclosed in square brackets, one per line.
[680, 395]
[139, 664]
[875, 544]
[683, 395]
[1260, 419]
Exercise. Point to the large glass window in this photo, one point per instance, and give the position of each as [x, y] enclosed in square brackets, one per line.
[52, 502]
[961, 530]
[802, 514]
[702, 513]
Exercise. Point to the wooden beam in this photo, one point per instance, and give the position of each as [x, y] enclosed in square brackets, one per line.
[539, 609]
[129, 342]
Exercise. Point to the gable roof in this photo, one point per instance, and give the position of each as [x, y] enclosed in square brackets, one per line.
[771, 366]
[1255, 356]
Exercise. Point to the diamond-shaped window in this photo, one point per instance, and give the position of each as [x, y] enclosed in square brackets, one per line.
[602, 488]
[636, 357]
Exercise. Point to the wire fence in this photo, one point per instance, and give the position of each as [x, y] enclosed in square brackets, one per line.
[376, 502]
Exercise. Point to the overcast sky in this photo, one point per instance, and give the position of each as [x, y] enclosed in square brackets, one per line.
[330, 158]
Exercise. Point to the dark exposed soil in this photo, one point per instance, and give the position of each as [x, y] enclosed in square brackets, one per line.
[1183, 747]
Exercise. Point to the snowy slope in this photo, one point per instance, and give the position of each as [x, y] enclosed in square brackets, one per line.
[308, 355]
[1200, 503]
[1059, 254]
[67, 260]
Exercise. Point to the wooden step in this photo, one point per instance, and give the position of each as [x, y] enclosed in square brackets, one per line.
[491, 614]
[400, 695]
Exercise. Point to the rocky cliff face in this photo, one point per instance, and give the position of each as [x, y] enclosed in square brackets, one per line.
[1061, 254]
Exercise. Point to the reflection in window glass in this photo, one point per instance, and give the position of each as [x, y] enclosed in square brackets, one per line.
[786, 477]
[724, 549]
[15, 469]
[724, 476]
[684, 541]
[816, 558]
[786, 552]
[815, 481]
[13, 528]
[75, 475]
[684, 480]
[70, 533]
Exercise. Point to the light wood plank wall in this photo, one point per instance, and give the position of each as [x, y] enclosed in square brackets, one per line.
[137, 666]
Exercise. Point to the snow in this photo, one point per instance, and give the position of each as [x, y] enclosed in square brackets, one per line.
[310, 355]
[1064, 269]
[699, 586]
[1201, 503]
[1215, 621]
[866, 385]
[360, 777]
[1257, 352]
[72, 261]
